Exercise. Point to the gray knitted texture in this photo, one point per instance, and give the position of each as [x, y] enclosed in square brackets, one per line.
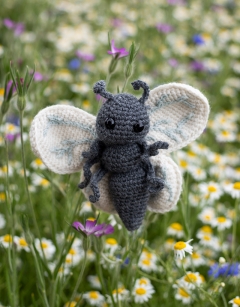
[121, 150]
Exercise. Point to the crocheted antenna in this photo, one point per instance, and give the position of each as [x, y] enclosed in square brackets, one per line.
[140, 84]
[100, 88]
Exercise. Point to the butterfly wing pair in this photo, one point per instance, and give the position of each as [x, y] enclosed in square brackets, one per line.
[178, 115]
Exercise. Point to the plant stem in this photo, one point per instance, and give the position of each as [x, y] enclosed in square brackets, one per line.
[80, 276]
[234, 231]
[30, 205]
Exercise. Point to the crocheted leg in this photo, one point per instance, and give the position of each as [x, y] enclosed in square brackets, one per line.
[87, 173]
[129, 192]
[94, 184]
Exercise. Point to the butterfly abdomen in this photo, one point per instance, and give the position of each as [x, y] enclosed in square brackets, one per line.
[130, 196]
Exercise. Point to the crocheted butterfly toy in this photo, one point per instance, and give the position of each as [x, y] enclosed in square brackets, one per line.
[124, 150]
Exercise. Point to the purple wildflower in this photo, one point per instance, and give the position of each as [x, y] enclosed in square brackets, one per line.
[38, 76]
[9, 85]
[116, 22]
[117, 52]
[197, 66]
[91, 228]
[176, 2]
[18, 27]
[164, 27]
[198, 39]
[173, 62]
[88, 57]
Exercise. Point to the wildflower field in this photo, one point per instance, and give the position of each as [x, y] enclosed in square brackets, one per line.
[56, 248]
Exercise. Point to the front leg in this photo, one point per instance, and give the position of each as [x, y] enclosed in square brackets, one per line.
[94, 184]
[93, 156]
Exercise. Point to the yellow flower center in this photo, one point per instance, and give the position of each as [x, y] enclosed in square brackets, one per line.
[180, 245]
[7, 239]
[44, 182]
[141, 291]
[148, 255]
[183, 293]
[176, 226]
[183, 163]
[236, 301]
[191, 153]
[207, 217]
[170, 241]
[221, 219]
[142, 281]
[68, 260]
[86, 104]
[217, 158]
[225, 133]
[44, 245]
[38, 161]
[10, 127]
[119, 291]
[199, 171]
[93, 295]
[71, 304]
[236, 185]
[4, 169]
[207, 238]
[22, 242]
[111, 241]
[212, 189]
[72, 252]
[91, 219]
[146, 261]
[1, 91]
[190, 277]
[195, 255]
[2, 196]
[206, 229]
[238, 170]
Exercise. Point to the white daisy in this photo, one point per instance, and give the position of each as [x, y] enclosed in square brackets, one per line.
[94, 298]
[221, 222]
[207, 215]
[209, 241]
[86, 207]
[38, 164]
[2, 221]
[143, 281]
[233, 189]
[235, 301]
[73, 257]
[142, 293]
[21, 243]
[40, 181]
[45, 246]
[147, 262]
[196, 259]
[70, 304]
[111, 245]
[183, 294]
[226, 136]
[94, 281]
[211, 191]
[204, 230]
[190, 280]
[120, 294]
[169, 243]
[6, 240]
[175, 229]
[181, 247]
[198, 173]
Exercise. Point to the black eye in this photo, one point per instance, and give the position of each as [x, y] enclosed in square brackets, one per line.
[138, 127]
[110, 123]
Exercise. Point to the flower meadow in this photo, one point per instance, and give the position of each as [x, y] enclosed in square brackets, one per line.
[56, 248]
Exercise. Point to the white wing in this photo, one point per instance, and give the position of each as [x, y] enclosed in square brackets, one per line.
[178, 115]
[59, 134]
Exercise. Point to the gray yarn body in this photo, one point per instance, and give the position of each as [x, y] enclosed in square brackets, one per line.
[122, 125]
[127, 183]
